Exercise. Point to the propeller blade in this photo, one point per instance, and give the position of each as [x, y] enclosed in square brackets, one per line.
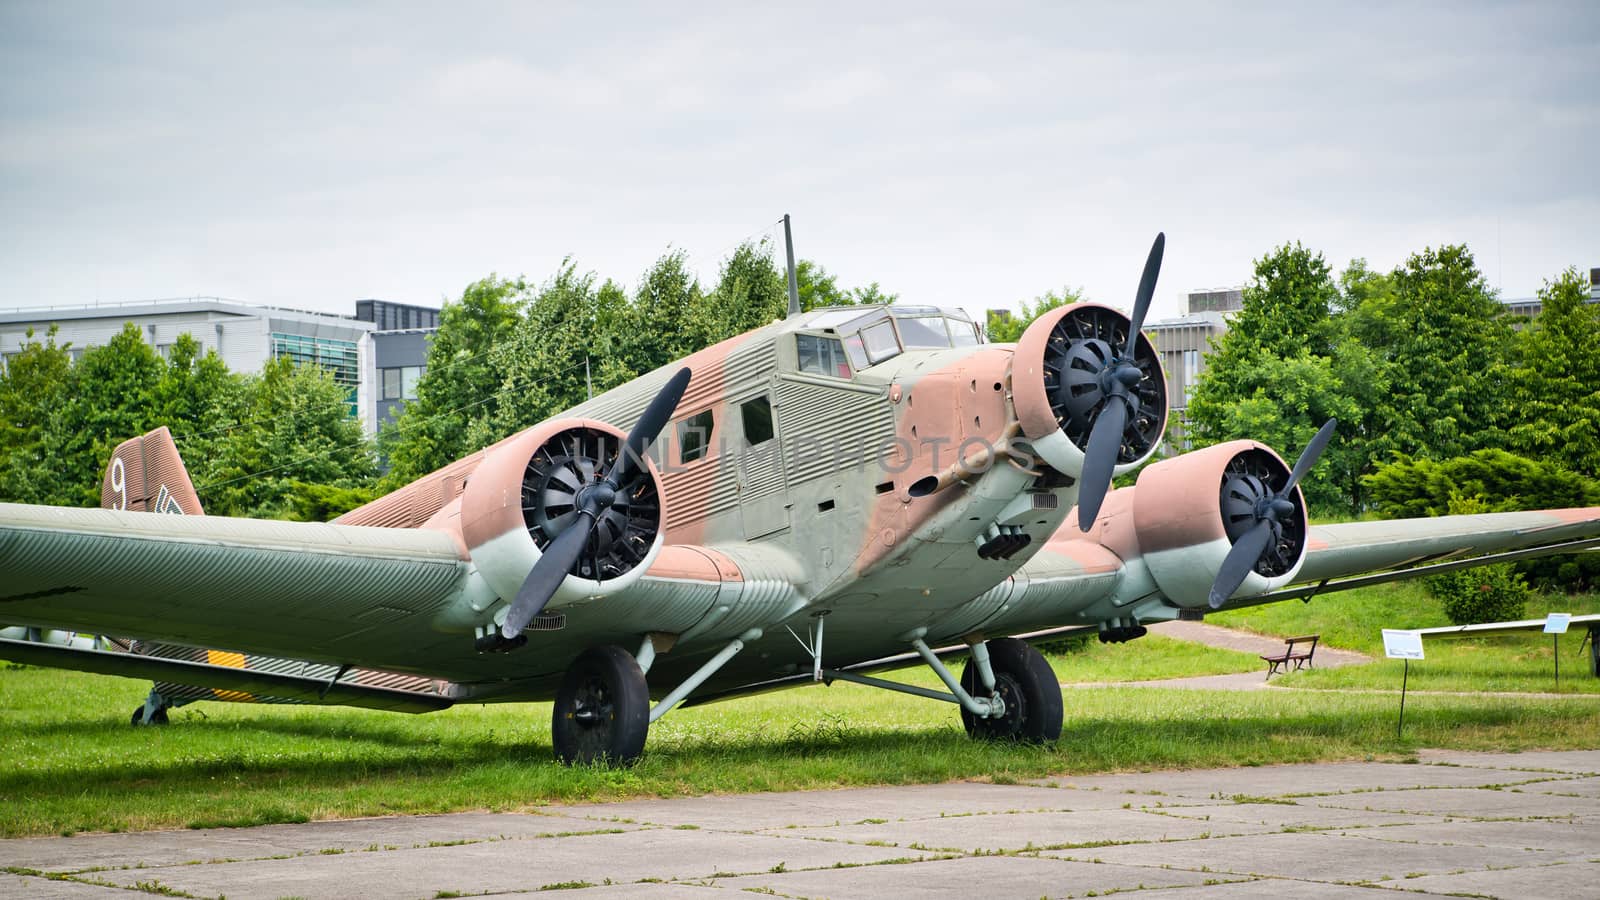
[1239, 562]
[548, 573]
[1147, 290]
[1105, 441]
[1308, 456]
[647, 428]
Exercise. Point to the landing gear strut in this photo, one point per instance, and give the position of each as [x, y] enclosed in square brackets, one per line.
[153, 711]
[1007, 691]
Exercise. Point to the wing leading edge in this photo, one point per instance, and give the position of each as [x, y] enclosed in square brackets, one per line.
[1340, 556]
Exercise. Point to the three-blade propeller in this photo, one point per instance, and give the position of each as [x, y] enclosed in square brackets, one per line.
[1269, 513]
[592, 500]
[1117, 381]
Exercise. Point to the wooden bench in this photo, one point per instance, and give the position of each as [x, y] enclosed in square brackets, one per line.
[1301, 658]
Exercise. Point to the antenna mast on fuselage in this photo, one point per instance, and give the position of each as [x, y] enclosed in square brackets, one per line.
[794, 286]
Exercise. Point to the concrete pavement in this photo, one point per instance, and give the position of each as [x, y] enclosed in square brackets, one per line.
[1481, 824]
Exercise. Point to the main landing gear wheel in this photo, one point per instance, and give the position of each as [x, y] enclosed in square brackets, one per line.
[1029, 688]
[602, 711]
[158, 718]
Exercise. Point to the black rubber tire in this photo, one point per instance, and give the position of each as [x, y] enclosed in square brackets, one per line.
[602, 712]
[1029, 688]
[137, 719]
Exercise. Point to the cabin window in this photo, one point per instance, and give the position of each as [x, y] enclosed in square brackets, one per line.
[881, 341]
[757, 417]
[821, 355]
[694, 436]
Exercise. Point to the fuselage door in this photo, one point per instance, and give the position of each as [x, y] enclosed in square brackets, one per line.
[763, 493]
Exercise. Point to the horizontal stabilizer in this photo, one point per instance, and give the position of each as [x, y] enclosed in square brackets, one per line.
[222, 678]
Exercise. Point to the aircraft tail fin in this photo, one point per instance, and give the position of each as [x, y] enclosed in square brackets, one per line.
[147, 475]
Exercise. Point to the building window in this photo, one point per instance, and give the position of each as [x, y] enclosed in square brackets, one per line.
[338, 357]
[757, 417]
[400, 383]
[694, 436]
[821, 355]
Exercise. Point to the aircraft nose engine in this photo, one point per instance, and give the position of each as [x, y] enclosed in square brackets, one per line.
[1224, 519]
[1089, 391]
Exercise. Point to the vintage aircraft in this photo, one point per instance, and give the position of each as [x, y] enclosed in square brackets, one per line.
[839, 492]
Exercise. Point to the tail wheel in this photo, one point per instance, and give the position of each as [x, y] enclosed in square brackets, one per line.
[602, 712]
[1027, 684]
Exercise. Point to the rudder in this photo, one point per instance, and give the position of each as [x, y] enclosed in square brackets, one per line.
[146, 474]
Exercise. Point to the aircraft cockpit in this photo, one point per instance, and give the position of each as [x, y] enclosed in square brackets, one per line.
[853, 339]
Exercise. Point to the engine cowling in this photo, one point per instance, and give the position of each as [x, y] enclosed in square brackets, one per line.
[522, 496]
[1057, 392]
[1188, 511]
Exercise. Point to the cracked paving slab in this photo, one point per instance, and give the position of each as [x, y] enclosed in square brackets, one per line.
[515, 865]
[1571, 843]
[1576, 762]
[1466, 803]
[1002, 832]
[168, 848]
[1436, 828]
[1314, 856]
[1296, 780]
[962, 879]
[1564, 882]
[821, 808]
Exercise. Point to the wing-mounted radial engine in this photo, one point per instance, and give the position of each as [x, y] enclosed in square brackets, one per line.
[567, 510]
[529, 491]
[1224, 520]
[1089, 391]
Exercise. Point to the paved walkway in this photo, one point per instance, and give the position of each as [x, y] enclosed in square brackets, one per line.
[1489, 825]
[1230, 639]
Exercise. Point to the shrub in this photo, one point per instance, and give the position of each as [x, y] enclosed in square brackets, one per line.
[1486, 594]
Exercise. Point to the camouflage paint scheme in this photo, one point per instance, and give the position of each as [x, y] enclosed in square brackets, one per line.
[867, 507]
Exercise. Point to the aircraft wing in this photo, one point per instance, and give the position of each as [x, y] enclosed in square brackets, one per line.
[235, 682]
[1487, 629]
[1356, 554]
[329, 593]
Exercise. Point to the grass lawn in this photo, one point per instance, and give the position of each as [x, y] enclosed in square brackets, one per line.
[1354, 620]
[74, 764]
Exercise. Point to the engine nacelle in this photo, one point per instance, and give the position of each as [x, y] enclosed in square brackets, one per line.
[1188, 511]
[521, 496]
[1055, 386]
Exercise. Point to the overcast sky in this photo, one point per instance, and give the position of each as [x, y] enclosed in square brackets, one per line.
[965, 154]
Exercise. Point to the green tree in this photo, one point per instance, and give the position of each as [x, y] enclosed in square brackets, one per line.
[111, 396]
[1278, 374]
[750, 292]
[573, 333]
[33, 388]
[1003, 327]
[1446, 357]
[298, 428]
[1552, 398]
[817, 287]
[459, 388]
[201, 402]
[668, 319]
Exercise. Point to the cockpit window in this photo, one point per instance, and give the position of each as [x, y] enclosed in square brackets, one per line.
[881, 341]
[821, 355]
[874, 334]
[924, 332]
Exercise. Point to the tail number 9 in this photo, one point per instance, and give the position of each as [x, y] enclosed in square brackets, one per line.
[119, 483]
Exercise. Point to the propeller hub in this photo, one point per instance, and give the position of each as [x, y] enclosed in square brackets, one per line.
[597, 496]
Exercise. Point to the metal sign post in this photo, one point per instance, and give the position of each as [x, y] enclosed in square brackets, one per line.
[1406, 645]
[1556, 625]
